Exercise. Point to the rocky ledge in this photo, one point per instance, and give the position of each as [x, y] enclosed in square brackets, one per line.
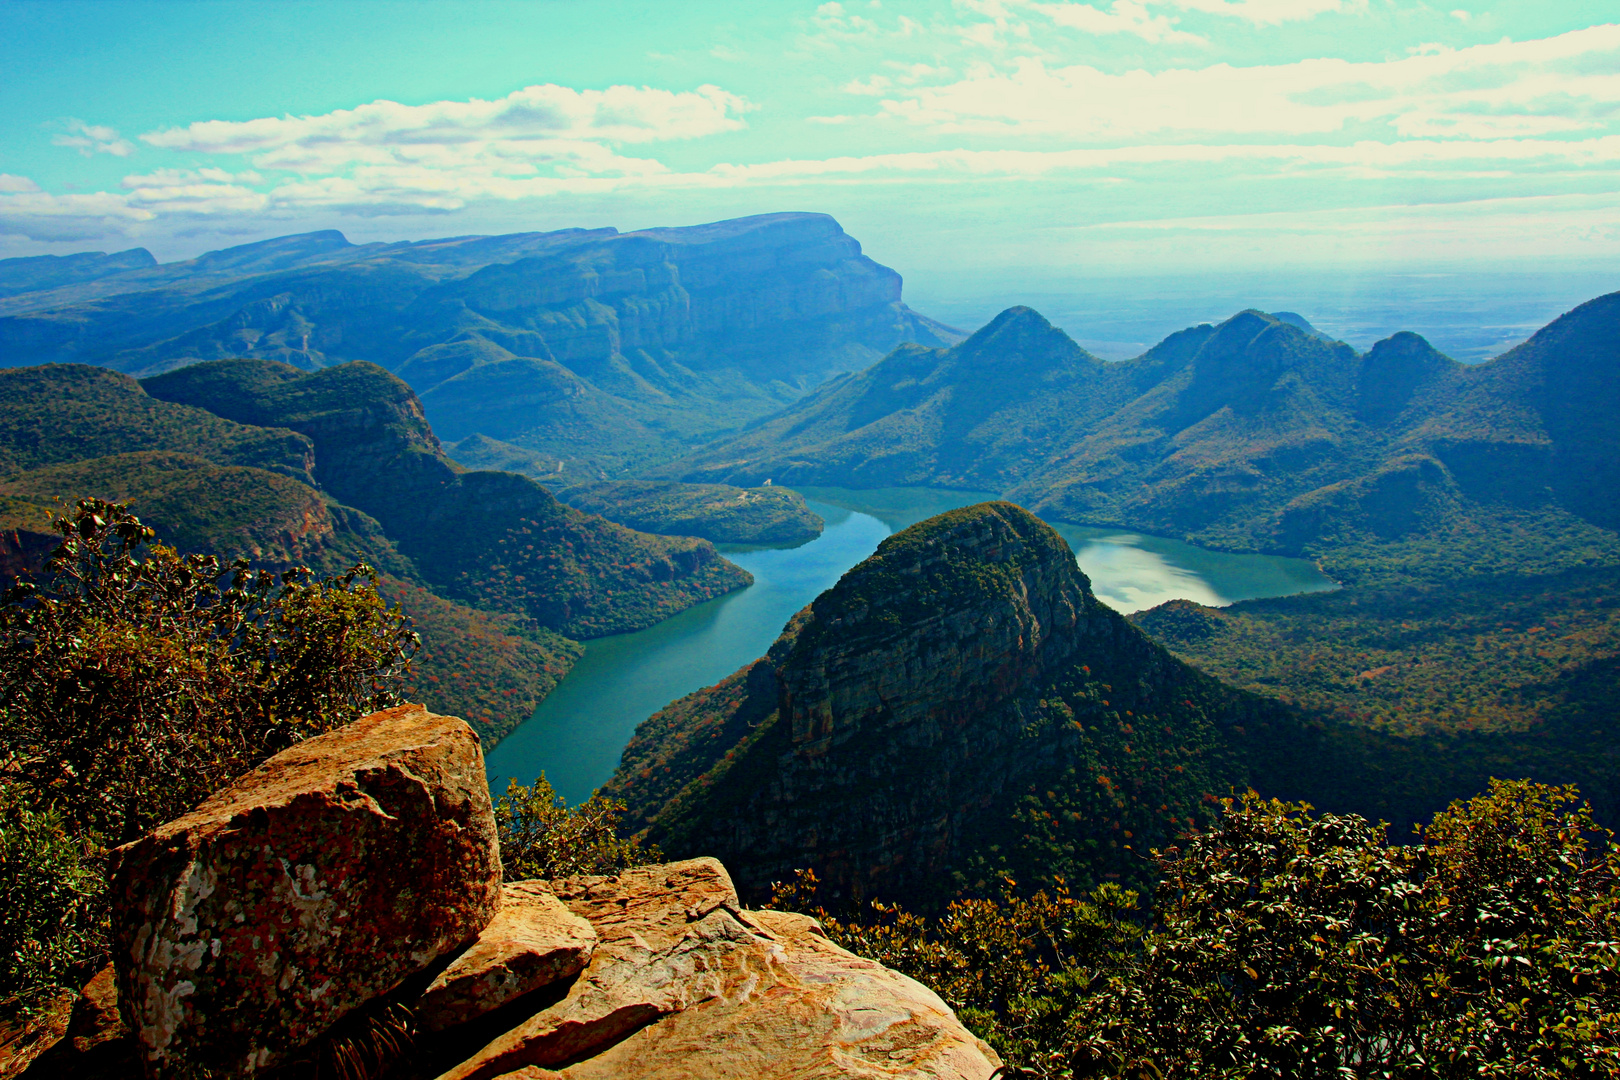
[340, 910]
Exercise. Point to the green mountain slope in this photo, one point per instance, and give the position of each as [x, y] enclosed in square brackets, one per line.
[958, 707]
[492, 669]
[245, 483]
[1254, 434]
[498, 541]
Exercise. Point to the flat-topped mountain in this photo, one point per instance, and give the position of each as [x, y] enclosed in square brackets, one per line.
[593, 347]
[959, 706]
[1254, 433]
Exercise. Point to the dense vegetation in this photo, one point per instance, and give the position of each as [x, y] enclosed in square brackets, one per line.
[135, 680]
[1284, 944]
[490, 670]
[717, 512]
[497, 541]
[64, 413]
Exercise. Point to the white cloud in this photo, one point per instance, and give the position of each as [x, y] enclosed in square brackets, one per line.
[41, 216]
[1271, 12]
[1561, 85]
[1122, 17]
[1461, 15]
[10, 185]
[538, 126]
[1362, 160]
[89, 139]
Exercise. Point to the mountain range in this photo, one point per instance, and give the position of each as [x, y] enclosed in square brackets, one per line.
[597, 349]
[1253, 434]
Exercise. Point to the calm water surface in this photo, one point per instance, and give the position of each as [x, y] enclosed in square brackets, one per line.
[578, 733]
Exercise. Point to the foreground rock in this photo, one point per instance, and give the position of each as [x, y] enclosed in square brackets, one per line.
[685, 983]
[534, 942]
[310, 886]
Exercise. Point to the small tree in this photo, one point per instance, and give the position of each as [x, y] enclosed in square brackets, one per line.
[542, 838]
[135, 680]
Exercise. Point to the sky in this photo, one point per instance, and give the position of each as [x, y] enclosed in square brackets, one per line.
[1014, 141]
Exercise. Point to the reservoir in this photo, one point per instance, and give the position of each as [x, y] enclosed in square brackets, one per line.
[577, 734]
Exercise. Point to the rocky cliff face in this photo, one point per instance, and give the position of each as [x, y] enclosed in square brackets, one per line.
[342, 907]
[959, 706]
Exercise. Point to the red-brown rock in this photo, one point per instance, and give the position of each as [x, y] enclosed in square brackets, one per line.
[313, 884]
[533, 942]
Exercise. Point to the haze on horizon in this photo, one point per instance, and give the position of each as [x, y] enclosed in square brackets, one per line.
[990, 150]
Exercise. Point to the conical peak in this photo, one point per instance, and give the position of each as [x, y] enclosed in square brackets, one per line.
[1406, 349]
[947, 618]
[1023, 333]
[953, 561]
[997, 532]
[1392, 372]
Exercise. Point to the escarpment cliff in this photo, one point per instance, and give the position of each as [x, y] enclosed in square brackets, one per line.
[341, 908]
[598, 349]
[958, 707]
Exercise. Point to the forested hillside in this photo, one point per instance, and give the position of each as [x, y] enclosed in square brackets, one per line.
[494, 571]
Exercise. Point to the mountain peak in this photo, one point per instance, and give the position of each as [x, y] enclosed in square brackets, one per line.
[1024, 332]
[1392, 372]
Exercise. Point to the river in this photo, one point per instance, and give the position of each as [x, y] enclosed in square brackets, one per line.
[577, 734]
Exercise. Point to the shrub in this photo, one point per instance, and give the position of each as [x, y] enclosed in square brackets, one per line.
[135, 680]
[542, 838]
[1283, 944]
[51, 918]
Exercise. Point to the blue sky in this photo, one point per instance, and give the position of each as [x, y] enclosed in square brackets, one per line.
[1010, 138]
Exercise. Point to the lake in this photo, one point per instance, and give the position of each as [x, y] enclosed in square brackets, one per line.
[578, 733]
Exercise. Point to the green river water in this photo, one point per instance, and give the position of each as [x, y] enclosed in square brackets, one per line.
[578, 733]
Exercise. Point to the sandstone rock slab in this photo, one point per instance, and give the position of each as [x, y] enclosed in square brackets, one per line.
[686, 985]
[533, 942]
[667, 939]
[304, 889]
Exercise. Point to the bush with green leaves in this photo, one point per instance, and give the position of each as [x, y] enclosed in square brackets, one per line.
[134, 681]
[50, 899]
[1282, 944]
[541, 837]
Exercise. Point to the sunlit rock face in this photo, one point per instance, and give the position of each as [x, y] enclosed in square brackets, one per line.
[314, 884]
[355, 878]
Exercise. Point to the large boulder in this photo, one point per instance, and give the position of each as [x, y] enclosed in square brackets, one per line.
[686, 985]
[310, 886]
